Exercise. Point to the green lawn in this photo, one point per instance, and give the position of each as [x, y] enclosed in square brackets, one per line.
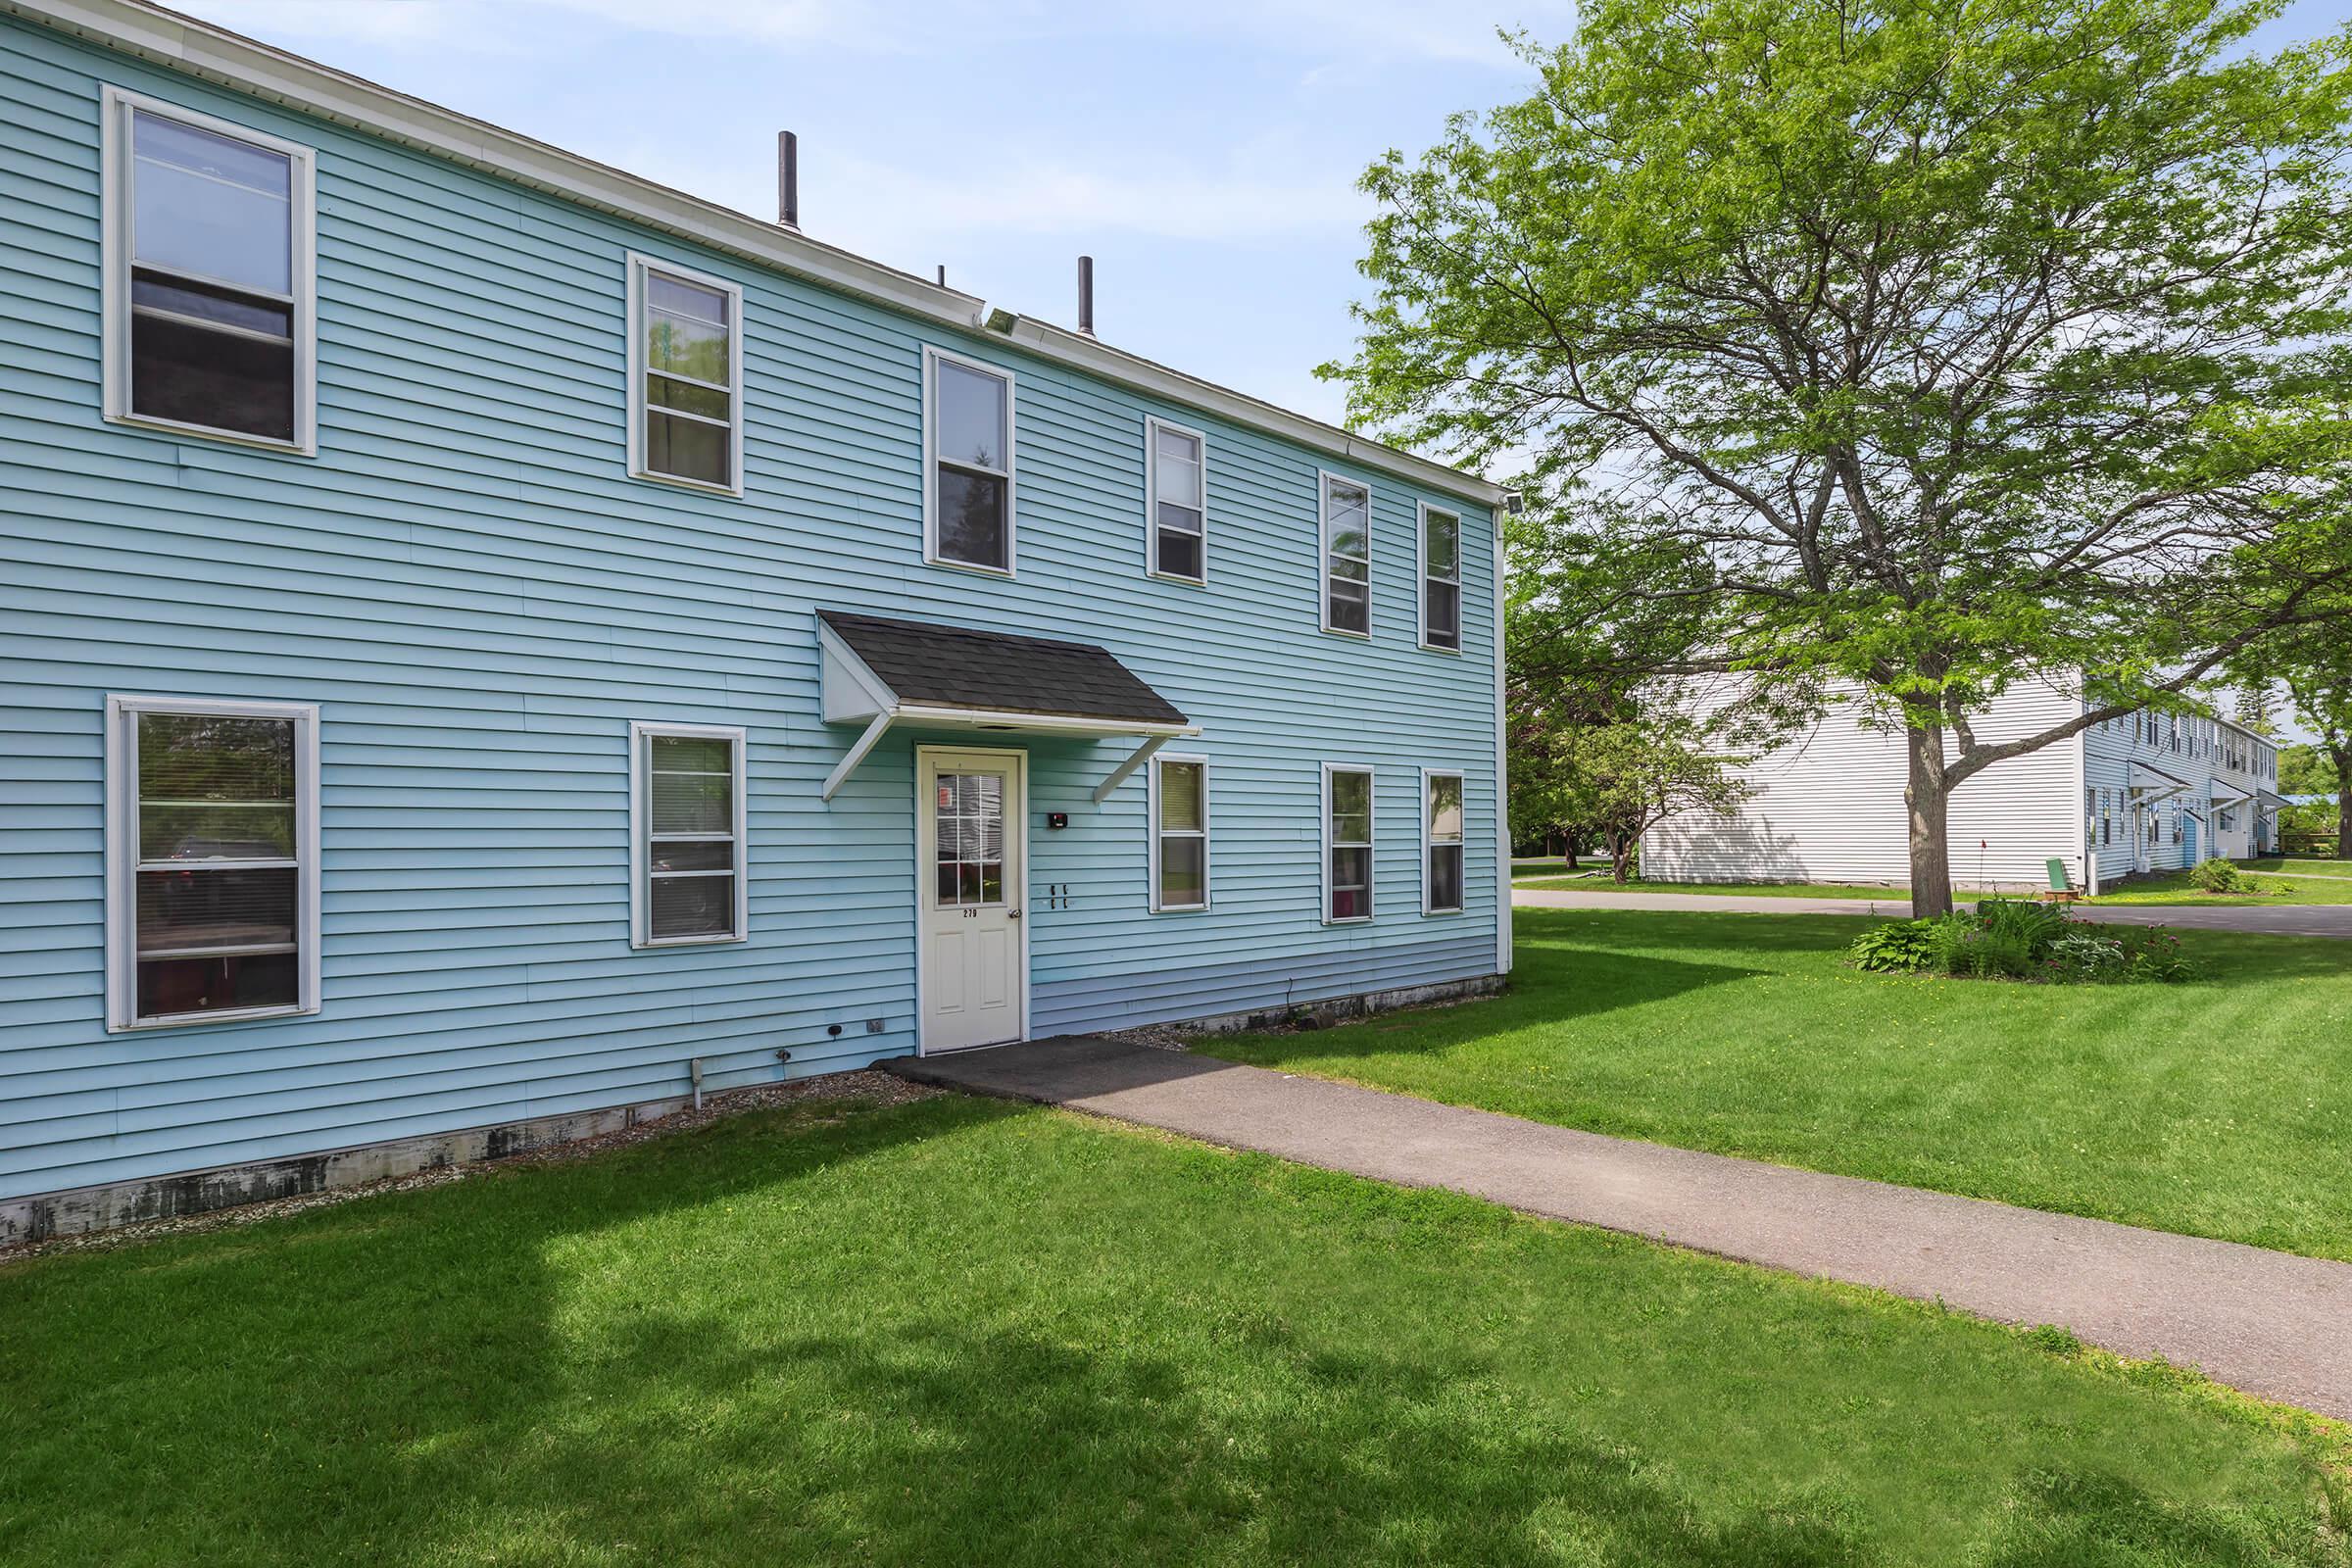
[2216, 1109]
[2173, 888]
[960, 1332]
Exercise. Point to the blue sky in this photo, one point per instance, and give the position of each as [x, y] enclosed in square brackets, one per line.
[1205, 155]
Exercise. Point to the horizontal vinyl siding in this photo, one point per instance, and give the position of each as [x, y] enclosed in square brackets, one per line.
[1829, 807]
[479, 601]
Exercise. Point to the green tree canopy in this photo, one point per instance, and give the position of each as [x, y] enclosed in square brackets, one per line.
[1919, 345]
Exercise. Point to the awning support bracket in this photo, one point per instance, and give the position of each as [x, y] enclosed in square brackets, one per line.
[1118, 774]
[856, 754]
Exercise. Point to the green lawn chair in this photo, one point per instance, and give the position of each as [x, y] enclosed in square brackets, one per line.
[2062, 888]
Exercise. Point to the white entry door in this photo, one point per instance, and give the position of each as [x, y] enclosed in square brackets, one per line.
[969, 828]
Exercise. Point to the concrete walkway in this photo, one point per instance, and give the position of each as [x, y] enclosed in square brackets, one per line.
[2270, 1323]
[2271, 919]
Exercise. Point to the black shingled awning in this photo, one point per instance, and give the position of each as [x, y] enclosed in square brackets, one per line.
[878, 672]
[954, 666]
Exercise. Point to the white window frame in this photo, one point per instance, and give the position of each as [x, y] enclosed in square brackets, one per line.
[1429, 840]
[1152, 426]
[1324, 480]
[122, 855]
[641, 732]
[116, 249]
[933, 358]
[640, 269]
[1422, 578]
[1153, 830]
[1370, 845]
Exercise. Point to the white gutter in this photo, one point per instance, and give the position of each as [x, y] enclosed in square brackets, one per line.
[214, 54]
[1147, 375]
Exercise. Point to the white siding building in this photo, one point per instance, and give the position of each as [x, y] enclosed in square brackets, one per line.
[2147, 792]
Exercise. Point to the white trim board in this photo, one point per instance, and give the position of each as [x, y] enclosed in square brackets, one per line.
[227, 58]
[638, 281]
[116, 247]
[122, 857]
[1016, 898]
[1153, 835]
[641, 934]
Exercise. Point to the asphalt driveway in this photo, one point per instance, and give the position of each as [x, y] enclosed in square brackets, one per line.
[2269, 919]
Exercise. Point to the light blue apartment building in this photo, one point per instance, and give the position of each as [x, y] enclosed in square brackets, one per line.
[488, 644]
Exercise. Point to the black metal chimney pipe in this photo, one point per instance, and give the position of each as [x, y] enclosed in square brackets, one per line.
[788, 179]
[1086, 295]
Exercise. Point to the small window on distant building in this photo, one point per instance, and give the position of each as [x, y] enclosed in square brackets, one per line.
[967, 422]
[1179, 833]
[208, 275]
[687, 820]
[1176, 484]
[685, 377]
[212, 906]
[1346, 557]
[1346, 844]
[1441, 843]
[1441, 580]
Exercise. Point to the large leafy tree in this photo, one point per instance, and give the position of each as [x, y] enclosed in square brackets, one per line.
[2314, 664]
[1934, 344]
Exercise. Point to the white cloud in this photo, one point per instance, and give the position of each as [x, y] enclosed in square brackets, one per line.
[888, 211]
[1354, 31]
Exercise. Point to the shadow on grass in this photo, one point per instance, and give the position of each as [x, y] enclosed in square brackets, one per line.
[595, 1363]
[408, 1380]
[1552, 985]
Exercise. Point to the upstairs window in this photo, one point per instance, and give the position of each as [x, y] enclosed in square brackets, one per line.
[686, 835]
[1441, 580]
[685, 377]
[1346, 557]
[967, 482]
[212, 846]
[208, 268]
[1441, 843]
[1346, 844]
[1175, 463]
[1179, 833]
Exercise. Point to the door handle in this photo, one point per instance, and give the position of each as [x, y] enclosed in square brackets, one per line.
[1012, 914]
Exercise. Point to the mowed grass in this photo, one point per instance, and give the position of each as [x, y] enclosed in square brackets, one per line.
[2275, 877]
[2222, 1107]
[958, 1331]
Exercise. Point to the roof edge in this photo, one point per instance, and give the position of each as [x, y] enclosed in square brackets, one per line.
[197, 48]
[1149, 376]
[201, 49]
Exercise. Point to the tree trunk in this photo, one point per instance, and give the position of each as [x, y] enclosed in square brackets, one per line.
[1621, 858]
[1928, 796]
[2343, 758]
[1571, 852]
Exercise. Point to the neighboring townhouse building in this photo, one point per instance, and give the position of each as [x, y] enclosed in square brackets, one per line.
[493, 645]
[2147, 792]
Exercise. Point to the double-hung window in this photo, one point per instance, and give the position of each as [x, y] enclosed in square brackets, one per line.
[968, 463]
[1175, 483]
[1346, 842]
[688, 878]
[207, 237]
[213, 858]
[1441, 842]
[1441, 580]
[1346, 557]
[685, 377]
[1179, 833]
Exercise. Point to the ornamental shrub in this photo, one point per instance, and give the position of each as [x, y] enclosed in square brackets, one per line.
[1900, 947]
[2217, 875]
